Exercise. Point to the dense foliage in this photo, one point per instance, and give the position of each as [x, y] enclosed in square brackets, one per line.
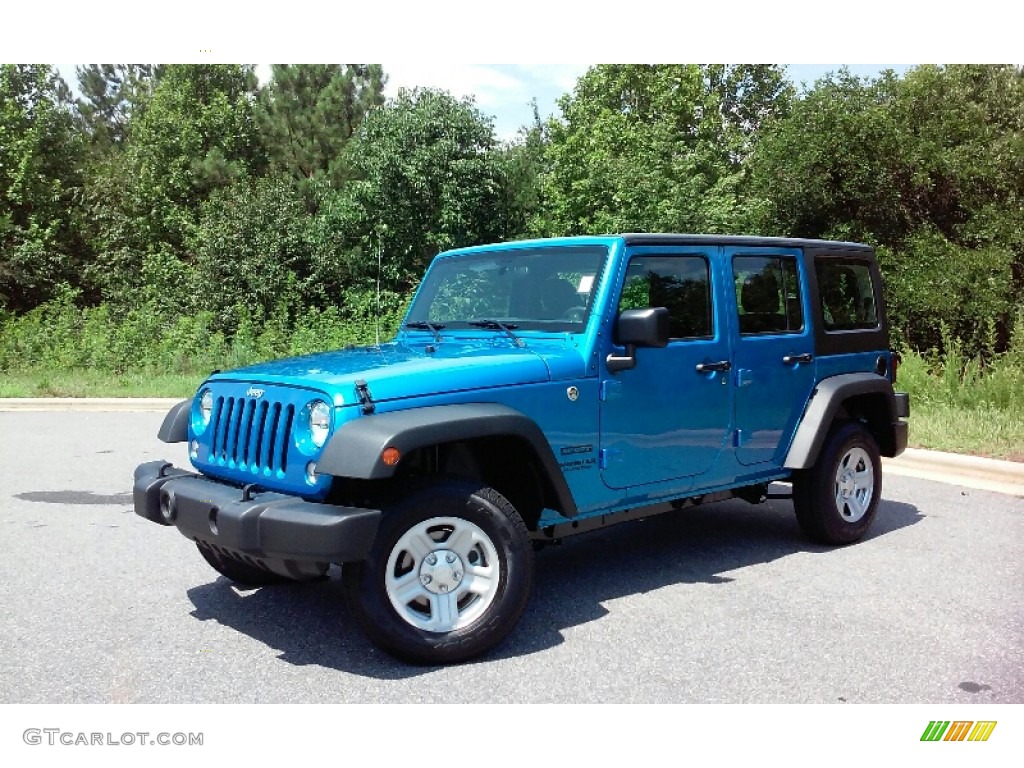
[184, 216]
[658, 149]
[930, 168]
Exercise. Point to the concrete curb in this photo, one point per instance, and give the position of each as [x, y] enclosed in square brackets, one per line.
[138, 404]
[957, 469]
[962, 463]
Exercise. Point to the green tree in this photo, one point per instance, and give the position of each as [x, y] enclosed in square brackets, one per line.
[838, 165]
[111, 95]
[524, 160]
[427, 178]
[308, 113]
[966, 127]
[931, 168]
[255, 247]
[657, 147]
[40, 155]
[196, 134]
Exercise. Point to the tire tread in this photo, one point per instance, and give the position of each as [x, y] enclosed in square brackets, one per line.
[367, 601]
[813, 497]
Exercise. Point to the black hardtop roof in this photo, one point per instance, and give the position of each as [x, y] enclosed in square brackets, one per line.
[640, 238]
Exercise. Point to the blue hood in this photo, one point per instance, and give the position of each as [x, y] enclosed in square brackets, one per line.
[399, 370]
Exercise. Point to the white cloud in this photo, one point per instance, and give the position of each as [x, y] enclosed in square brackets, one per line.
[503, 91]
[561, 76]
[488, 84]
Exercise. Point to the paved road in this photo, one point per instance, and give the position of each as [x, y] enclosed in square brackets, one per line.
[725, 603]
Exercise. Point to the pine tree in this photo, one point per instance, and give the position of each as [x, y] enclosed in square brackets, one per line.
[308, 113]
[111, 94]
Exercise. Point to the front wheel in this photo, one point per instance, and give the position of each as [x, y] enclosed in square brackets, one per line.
[836, 500]
[448, 576]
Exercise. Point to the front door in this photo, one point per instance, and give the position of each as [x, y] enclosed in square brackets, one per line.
[773, 359]
[670, 416]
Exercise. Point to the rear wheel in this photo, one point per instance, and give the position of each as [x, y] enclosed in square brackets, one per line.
[448, 576]
[837, 499]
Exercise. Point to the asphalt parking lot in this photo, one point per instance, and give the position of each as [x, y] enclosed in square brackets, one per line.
[723, 603]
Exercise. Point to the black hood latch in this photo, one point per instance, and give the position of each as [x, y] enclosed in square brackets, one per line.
[363, 393]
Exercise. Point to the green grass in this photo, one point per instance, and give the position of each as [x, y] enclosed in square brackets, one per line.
[90, 383]
[986, 418]
[993, 432]
[957, 403]
[62, 350]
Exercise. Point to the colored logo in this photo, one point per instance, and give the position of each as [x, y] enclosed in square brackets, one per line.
[958, 730]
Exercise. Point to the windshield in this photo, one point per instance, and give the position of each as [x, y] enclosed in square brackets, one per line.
[549, 288]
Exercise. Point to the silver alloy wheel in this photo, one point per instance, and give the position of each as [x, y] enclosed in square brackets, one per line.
[442, 574]
[854, 484]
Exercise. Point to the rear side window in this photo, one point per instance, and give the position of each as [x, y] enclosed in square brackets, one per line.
[681, 284]
[847, 294]
[767, 294]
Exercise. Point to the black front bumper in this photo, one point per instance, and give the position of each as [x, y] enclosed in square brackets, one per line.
[259, 524]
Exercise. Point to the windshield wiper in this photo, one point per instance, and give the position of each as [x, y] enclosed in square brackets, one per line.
[423, 325]
[495, 325]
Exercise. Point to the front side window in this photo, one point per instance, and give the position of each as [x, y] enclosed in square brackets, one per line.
[847, 294]
[681, 284]
[550, 288]
[767, 294]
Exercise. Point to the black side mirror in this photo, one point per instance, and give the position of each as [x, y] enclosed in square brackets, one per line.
[638, 328]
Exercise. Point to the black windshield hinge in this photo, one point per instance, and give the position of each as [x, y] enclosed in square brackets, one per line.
[363, 393]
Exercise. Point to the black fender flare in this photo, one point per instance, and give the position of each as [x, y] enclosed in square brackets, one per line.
[355, 449]
[175, 426]
[826, 399]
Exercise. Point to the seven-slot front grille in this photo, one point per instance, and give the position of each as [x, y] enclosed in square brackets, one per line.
[251, 434]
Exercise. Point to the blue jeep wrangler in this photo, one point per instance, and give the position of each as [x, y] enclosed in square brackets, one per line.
[536, 390]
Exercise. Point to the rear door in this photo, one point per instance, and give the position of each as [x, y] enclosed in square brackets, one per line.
[774, 350]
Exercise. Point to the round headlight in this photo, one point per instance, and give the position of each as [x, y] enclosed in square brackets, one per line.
[319, 422]
[206, 406]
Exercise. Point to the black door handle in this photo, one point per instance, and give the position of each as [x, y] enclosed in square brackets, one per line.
[721, 365]
[806, 357]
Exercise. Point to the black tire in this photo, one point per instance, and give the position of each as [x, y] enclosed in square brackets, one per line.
[280, 571]
[397, 608]
[832, 505]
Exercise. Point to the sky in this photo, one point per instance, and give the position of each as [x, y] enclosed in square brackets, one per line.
[432, 42]
[504, 91]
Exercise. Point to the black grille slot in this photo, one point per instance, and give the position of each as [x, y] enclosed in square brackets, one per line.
[250, 409]
[266, 423]
[233, 430]
[218, 408]
[229, 406]
[275, 420]
[248, 432]
[289, 414]
[262, 421]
